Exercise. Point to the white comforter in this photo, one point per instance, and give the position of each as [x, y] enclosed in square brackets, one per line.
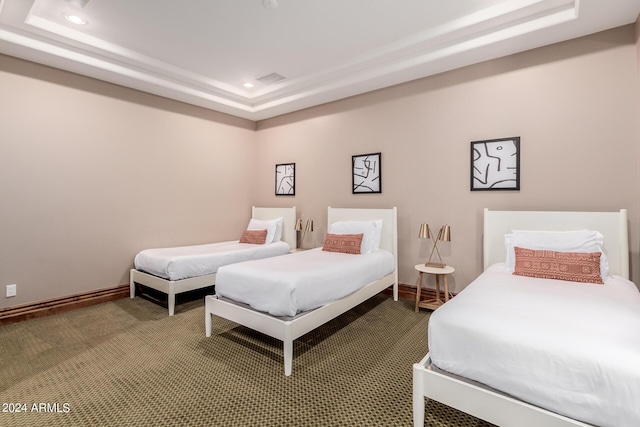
[193, 261]
[572, 348]
[302, 281]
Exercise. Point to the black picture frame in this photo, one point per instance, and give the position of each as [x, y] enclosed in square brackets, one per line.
[495, 164]
[285, 179]
[366, 173]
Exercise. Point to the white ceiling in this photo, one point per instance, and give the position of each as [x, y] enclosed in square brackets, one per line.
[202, 51]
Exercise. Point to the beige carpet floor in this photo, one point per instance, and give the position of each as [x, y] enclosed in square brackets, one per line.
[127, 363]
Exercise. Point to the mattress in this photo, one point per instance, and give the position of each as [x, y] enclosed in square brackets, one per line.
[572, 348]
[302, 281]
[193, 261]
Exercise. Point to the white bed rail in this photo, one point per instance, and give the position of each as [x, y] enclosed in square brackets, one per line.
[480, 402]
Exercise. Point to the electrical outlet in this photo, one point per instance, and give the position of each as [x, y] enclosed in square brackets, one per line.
[11, 290]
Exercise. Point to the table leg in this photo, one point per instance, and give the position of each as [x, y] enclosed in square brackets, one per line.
[418, 287]
[446, 289]
[438, 287]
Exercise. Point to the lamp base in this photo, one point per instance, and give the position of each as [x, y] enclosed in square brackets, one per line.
[435, 265]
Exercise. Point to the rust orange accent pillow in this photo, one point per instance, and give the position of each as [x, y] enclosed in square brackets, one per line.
[572, 266]
[257, 237]
[343, 243]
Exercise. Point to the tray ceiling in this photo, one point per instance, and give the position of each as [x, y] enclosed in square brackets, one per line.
[295, 53]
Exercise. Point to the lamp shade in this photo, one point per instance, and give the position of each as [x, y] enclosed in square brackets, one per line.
[299, 225]
[425, 232]
[309, 226]
[445, 233]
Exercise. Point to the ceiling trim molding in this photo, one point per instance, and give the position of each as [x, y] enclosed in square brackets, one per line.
[449, 45]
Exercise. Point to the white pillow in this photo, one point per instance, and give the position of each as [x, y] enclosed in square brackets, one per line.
[377, 238]
[560, 241]
[371, 230]
[278, 234]
[270, 226]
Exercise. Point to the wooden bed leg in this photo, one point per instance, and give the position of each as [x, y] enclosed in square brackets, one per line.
[207, 323]
[418, 398]
[132, 285]
[207, 317]
[288, 353]
[172, 302]
[288, 357]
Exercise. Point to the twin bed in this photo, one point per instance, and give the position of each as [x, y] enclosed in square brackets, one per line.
[181, 269]
[281, 296]
[529, 351]
[286, 297]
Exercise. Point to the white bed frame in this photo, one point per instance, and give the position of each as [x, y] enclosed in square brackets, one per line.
[173, 287]
[491, 405]
[289, 330]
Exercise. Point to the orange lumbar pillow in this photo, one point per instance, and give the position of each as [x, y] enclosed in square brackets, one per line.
[572, 266]
[343, 243]
[257, 237]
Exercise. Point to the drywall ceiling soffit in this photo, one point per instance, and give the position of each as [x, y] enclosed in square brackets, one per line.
[202, 51]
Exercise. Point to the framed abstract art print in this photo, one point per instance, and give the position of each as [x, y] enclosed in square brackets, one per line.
[495, 164]
[366, 174]
[286, 179]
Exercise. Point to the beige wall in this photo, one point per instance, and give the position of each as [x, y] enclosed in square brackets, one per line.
[91, 173]
[573, 104]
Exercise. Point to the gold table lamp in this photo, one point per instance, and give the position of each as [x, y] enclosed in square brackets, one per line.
[307, 227]
[444, 235]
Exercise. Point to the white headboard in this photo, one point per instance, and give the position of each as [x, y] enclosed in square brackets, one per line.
[612, 225]
[288, 215]
[389, 219]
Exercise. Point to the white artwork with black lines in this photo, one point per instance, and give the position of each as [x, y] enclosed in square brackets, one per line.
[495, 164]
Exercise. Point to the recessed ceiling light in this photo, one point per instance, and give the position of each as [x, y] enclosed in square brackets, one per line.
[248, 85]
[75, 19]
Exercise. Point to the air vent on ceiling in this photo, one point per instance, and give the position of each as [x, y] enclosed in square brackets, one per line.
[271, 78]
[78, 3]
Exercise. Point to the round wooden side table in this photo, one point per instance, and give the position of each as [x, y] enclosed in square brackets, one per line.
[433, 304]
